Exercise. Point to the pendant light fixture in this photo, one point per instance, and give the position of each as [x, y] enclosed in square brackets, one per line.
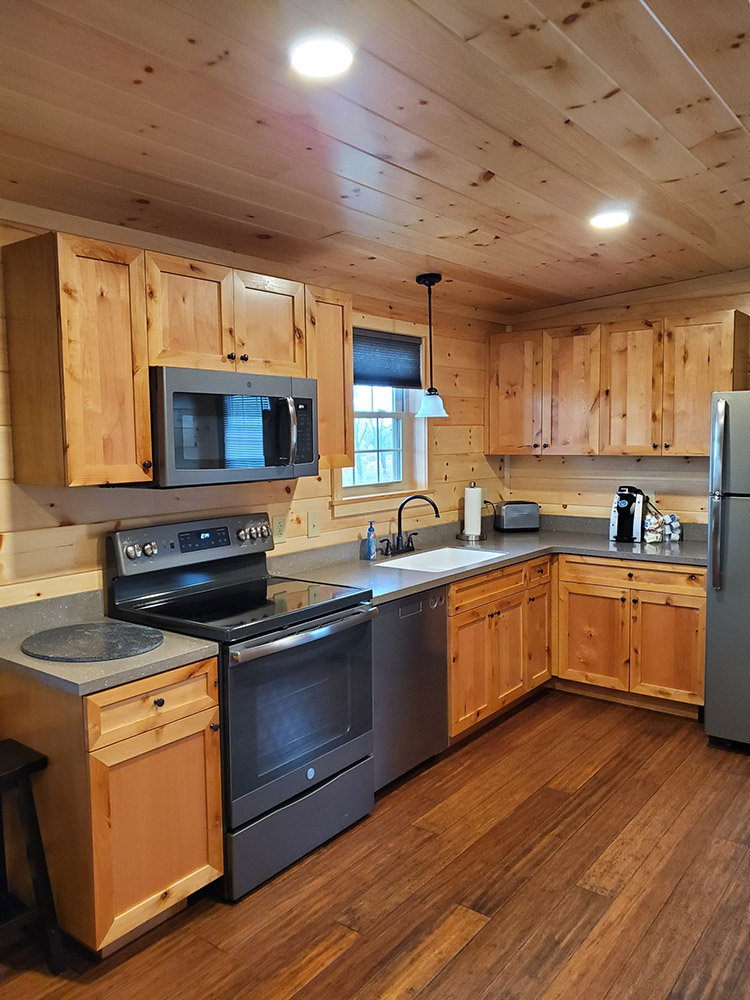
[432, 404]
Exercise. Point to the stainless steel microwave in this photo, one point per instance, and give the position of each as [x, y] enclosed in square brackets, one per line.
[230, 427]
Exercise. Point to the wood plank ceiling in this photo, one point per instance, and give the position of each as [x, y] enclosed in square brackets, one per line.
[474, 138]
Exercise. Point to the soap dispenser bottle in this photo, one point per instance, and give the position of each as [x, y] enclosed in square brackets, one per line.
[372, 545]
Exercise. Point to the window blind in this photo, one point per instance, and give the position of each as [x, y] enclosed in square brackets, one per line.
[393, 359]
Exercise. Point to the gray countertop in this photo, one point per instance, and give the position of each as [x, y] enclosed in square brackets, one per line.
[383, 577]
[388, 582]
[85, 678]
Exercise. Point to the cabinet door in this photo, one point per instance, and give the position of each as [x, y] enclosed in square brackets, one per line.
[470, 683]
[537, 637]
[698, 360]
[104, 362]
[269, 324]
[631, 388]
[156, 822]
[594, 640]
[507, 639]
[515, 394]
[668, 638]
[190, 313]
[571, 391]
[330, 361]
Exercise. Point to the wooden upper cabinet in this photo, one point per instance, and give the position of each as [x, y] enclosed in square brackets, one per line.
[269, 325]
[702, 354]
[631, 388]
[190, 313]
[515, 394]
[330, 361]
[570, 390]
[78, 361]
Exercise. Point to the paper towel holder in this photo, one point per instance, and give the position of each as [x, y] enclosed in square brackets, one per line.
[463, 537]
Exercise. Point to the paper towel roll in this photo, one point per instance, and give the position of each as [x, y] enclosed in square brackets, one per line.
[472, 510]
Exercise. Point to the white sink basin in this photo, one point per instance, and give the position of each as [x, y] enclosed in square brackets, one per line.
[440, 560]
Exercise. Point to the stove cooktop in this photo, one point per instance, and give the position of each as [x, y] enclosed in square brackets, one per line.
[254, 608]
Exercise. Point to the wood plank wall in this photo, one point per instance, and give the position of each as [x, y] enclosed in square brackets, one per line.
[582, 485]
[51, 539]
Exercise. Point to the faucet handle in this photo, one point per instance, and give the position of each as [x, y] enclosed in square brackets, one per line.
[409, 546]
[387, 547]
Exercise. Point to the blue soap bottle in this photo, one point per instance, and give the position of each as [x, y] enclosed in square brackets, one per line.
[372, 545]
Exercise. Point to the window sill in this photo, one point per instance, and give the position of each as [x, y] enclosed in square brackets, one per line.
[348, 506]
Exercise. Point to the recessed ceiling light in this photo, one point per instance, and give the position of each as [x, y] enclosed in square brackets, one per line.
[610, 220]
[322, 55]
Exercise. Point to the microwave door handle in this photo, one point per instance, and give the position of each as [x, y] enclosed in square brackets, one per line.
[292, 430]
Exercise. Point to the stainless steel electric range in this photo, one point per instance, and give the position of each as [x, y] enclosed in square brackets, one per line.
[295, 680]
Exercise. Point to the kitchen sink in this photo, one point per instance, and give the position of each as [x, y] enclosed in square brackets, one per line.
[441, 560]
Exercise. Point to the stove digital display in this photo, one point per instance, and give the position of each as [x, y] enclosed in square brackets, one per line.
[209, 538]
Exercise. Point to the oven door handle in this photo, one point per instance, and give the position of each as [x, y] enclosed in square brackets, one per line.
[301, 638]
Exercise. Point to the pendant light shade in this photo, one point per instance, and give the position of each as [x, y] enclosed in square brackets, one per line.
[432, 404]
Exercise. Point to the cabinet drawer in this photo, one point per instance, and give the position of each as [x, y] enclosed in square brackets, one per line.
[486, 587]
[659, 577]
[537, 571]
[135, 708]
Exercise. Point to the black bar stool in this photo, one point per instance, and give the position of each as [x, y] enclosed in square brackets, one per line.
[17, 764]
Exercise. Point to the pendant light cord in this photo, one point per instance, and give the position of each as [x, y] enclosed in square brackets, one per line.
[429, 314]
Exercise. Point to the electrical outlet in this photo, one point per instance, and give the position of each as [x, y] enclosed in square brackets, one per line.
[279, 528]
[313, 524]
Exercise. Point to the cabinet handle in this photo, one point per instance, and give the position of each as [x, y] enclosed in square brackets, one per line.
[545, 446]
[531, 600]
[244, 357]
[214, 727]
[630, 576]
[146, 465]
[622, 600]
[635, 600]
[666, 446]
[159, 702]
[491, 614]
[655, 446]
[692, 577]
[535, 445]
[540, 570]
[232, 356]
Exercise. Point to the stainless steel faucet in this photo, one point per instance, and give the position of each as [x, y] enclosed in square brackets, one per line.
[408, 545]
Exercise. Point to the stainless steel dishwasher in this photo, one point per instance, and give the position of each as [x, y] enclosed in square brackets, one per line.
[410, 683]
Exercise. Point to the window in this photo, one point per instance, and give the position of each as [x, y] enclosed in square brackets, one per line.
[389, 444]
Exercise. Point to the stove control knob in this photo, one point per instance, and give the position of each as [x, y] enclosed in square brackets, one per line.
[254, 532]
[150, 549]
[265, 531]
[130, 551]
[243, 535]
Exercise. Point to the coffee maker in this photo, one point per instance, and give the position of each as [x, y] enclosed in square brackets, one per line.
[628, 511]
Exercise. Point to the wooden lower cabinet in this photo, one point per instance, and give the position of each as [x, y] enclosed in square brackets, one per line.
[499, 650]
[649, 642]
[130, 803]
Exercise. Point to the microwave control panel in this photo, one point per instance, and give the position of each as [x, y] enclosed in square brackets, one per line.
[186, 543]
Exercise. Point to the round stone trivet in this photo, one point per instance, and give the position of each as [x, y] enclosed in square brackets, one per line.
[92, 641]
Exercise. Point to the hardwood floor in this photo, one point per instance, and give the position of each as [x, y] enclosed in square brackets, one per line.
[579, 850]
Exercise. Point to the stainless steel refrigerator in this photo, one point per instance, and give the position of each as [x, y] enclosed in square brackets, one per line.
[727, 714]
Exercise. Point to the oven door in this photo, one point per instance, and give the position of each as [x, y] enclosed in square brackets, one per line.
[297, 710]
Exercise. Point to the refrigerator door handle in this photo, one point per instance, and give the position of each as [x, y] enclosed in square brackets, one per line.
[716, 472]
[714, 539]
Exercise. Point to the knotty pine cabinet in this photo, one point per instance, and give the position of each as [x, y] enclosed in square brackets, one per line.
[632, 626]
[211, 316]
[543, 392]
[130, 803]
[78, 360]
[330, 361]
[499, 640]
[657, 378]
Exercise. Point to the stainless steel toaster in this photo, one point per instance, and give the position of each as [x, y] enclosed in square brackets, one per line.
[517, 515]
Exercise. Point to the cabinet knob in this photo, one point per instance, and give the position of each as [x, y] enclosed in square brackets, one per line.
[232, 356]
[159, 702]
[531, 600]
[491, 614]
[244, 357]
[535, 445]
[630, 576]
[622, 600]
[666, 446]
[655, 446]
[146, 465]
[214, 727]
[545, 446]
[692, 576]
[635, 600]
